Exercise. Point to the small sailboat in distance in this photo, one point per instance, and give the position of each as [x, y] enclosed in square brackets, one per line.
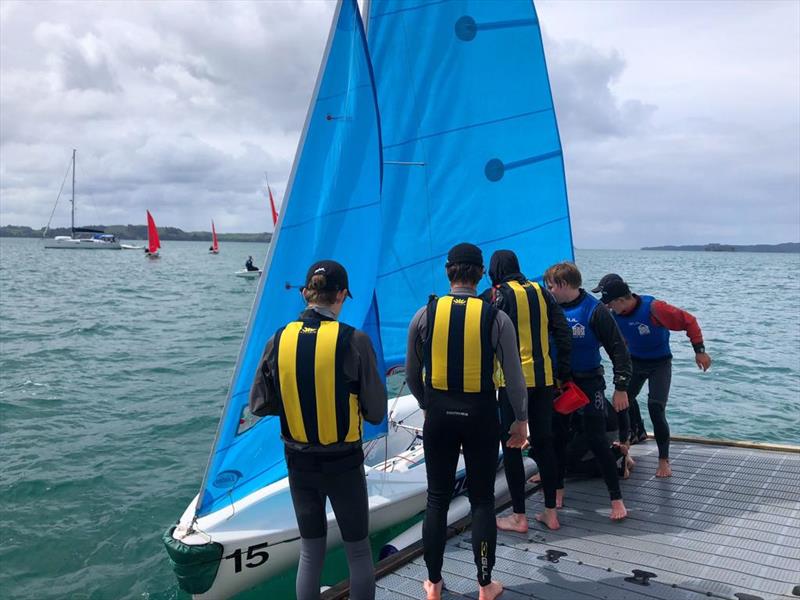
[153, 242]
[214, 242]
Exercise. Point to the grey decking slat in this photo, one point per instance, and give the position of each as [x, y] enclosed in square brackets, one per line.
[727, 522]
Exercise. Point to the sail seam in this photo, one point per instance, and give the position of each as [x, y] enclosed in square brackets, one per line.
[497, 239]
[400, 10]
[463, 127]
[328, 214]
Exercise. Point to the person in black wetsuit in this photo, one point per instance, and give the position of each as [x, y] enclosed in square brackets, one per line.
[249, 264]
[324, 456]
[537, 318]
[592, 327]
[456, 338]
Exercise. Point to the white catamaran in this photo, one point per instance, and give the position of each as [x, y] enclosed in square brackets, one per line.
[438, 129]
[93, 239]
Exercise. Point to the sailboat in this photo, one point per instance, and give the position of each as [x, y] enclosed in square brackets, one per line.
[214, 242]
[153, 242]
[465, 147]
[95, 239]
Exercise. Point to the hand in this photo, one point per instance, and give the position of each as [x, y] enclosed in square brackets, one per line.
[518, 434]
[703, 361]
[620, 400]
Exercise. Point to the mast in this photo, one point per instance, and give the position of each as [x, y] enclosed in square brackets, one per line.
[73, 191]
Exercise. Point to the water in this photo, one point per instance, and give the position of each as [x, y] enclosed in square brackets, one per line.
[113, 369]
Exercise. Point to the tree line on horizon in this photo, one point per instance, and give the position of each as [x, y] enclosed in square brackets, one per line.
[137, 232]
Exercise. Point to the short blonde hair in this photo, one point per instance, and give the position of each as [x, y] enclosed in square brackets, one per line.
[564, 273]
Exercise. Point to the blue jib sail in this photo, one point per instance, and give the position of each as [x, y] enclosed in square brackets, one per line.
[331, 211]
[470, 143]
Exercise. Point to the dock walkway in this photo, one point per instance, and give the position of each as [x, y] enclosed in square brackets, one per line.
[726, 525]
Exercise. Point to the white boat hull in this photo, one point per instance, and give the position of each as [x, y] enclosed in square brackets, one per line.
[81, 244]
[248, 274]
[259, 533]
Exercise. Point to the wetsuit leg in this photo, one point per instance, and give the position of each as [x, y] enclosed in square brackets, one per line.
[561, 424]
[442, 444]
[540, 419]
[309, 569]
[594, 431]
[637, 382]
[350, 503]
[660, 380]
[480, 440]
[309, 508]
[624, 423]
[512, 457]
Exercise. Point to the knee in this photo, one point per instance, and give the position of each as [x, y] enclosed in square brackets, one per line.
[657, 412]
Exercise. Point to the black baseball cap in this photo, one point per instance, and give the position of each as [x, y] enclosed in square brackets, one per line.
[606, 279]
[335, 276]
[613, 290]
[465, 254]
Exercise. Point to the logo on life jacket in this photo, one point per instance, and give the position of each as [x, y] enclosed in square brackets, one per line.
[459, 300]
[308, 330]
[578, 331]
[643, 329]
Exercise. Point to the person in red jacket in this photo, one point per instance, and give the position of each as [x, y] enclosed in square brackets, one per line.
[645, 324]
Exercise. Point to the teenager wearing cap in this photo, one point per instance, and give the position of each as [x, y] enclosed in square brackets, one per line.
[537, 318]
[321, 377]
[592, 327]
[645, 323]
[456, 338]
[638, 433]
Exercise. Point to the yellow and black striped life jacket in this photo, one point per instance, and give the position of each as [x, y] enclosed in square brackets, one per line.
[525, 304]
[458, 350]
[319, 406]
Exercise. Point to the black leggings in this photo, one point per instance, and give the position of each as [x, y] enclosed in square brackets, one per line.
[540, 421]
[448, 428]
[658, 374]
[589, 422]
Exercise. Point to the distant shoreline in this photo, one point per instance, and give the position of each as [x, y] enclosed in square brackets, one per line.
[138, 232]
[787, 247]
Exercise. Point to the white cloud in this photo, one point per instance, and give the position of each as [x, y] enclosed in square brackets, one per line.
[680, 121]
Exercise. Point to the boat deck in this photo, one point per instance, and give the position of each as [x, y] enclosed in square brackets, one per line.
[726, 525]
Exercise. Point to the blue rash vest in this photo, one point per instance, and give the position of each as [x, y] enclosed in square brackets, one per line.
[585, 345]
[645, 339]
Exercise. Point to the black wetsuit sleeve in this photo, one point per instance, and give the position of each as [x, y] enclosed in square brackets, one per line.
[562, 336]
[263, 393]
[414, 356]
[372, 392]
[606, 330]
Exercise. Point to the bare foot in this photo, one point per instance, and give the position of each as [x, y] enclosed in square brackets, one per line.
[433, 590]
[549, 518]
[536, 478]
[618, 510]
[663, 470]
[513, 522]
[629, 464]
[560, 498]
[491, 591]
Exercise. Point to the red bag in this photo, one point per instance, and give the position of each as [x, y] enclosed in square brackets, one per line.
[571, 399]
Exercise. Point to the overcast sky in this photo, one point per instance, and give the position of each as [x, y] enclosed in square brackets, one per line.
[680, 120]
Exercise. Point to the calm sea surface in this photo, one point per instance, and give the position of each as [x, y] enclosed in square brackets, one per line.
[113, 370]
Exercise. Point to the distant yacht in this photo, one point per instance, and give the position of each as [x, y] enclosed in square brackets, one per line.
[94, 239]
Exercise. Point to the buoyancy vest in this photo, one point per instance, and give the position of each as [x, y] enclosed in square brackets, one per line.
[458, 349]
[645, 339]
[319, 405]
[585, 355]
[525, 304]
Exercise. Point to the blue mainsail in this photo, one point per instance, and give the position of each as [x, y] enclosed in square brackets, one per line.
[332, 211]
[470, 142]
